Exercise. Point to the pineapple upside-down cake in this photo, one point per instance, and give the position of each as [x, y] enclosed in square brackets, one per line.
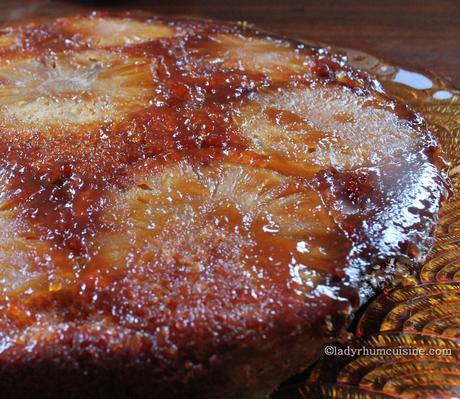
[191, 208]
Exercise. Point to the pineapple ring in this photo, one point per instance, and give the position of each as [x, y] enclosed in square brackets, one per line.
[7, 40]
[275, 59]
[105, 32]
[236, 219]
[72, 89]
[324, 126]
[23, 256]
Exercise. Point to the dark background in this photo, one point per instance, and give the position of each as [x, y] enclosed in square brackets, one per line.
[423, 34]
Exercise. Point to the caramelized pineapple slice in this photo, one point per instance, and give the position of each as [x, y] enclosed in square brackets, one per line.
[237, 222]
[106, 32]
[24, 258]
[324, 126]
[274, 58]
[7, 39]
[72, 89]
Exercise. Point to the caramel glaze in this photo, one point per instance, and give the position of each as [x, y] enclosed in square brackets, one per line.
[59, 181]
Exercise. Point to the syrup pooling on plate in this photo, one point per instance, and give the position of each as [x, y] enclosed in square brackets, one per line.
[176, 172]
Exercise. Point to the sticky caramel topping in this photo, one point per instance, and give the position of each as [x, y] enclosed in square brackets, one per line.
[185, 178]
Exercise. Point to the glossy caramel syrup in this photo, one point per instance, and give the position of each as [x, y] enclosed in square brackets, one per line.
[168, 179]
